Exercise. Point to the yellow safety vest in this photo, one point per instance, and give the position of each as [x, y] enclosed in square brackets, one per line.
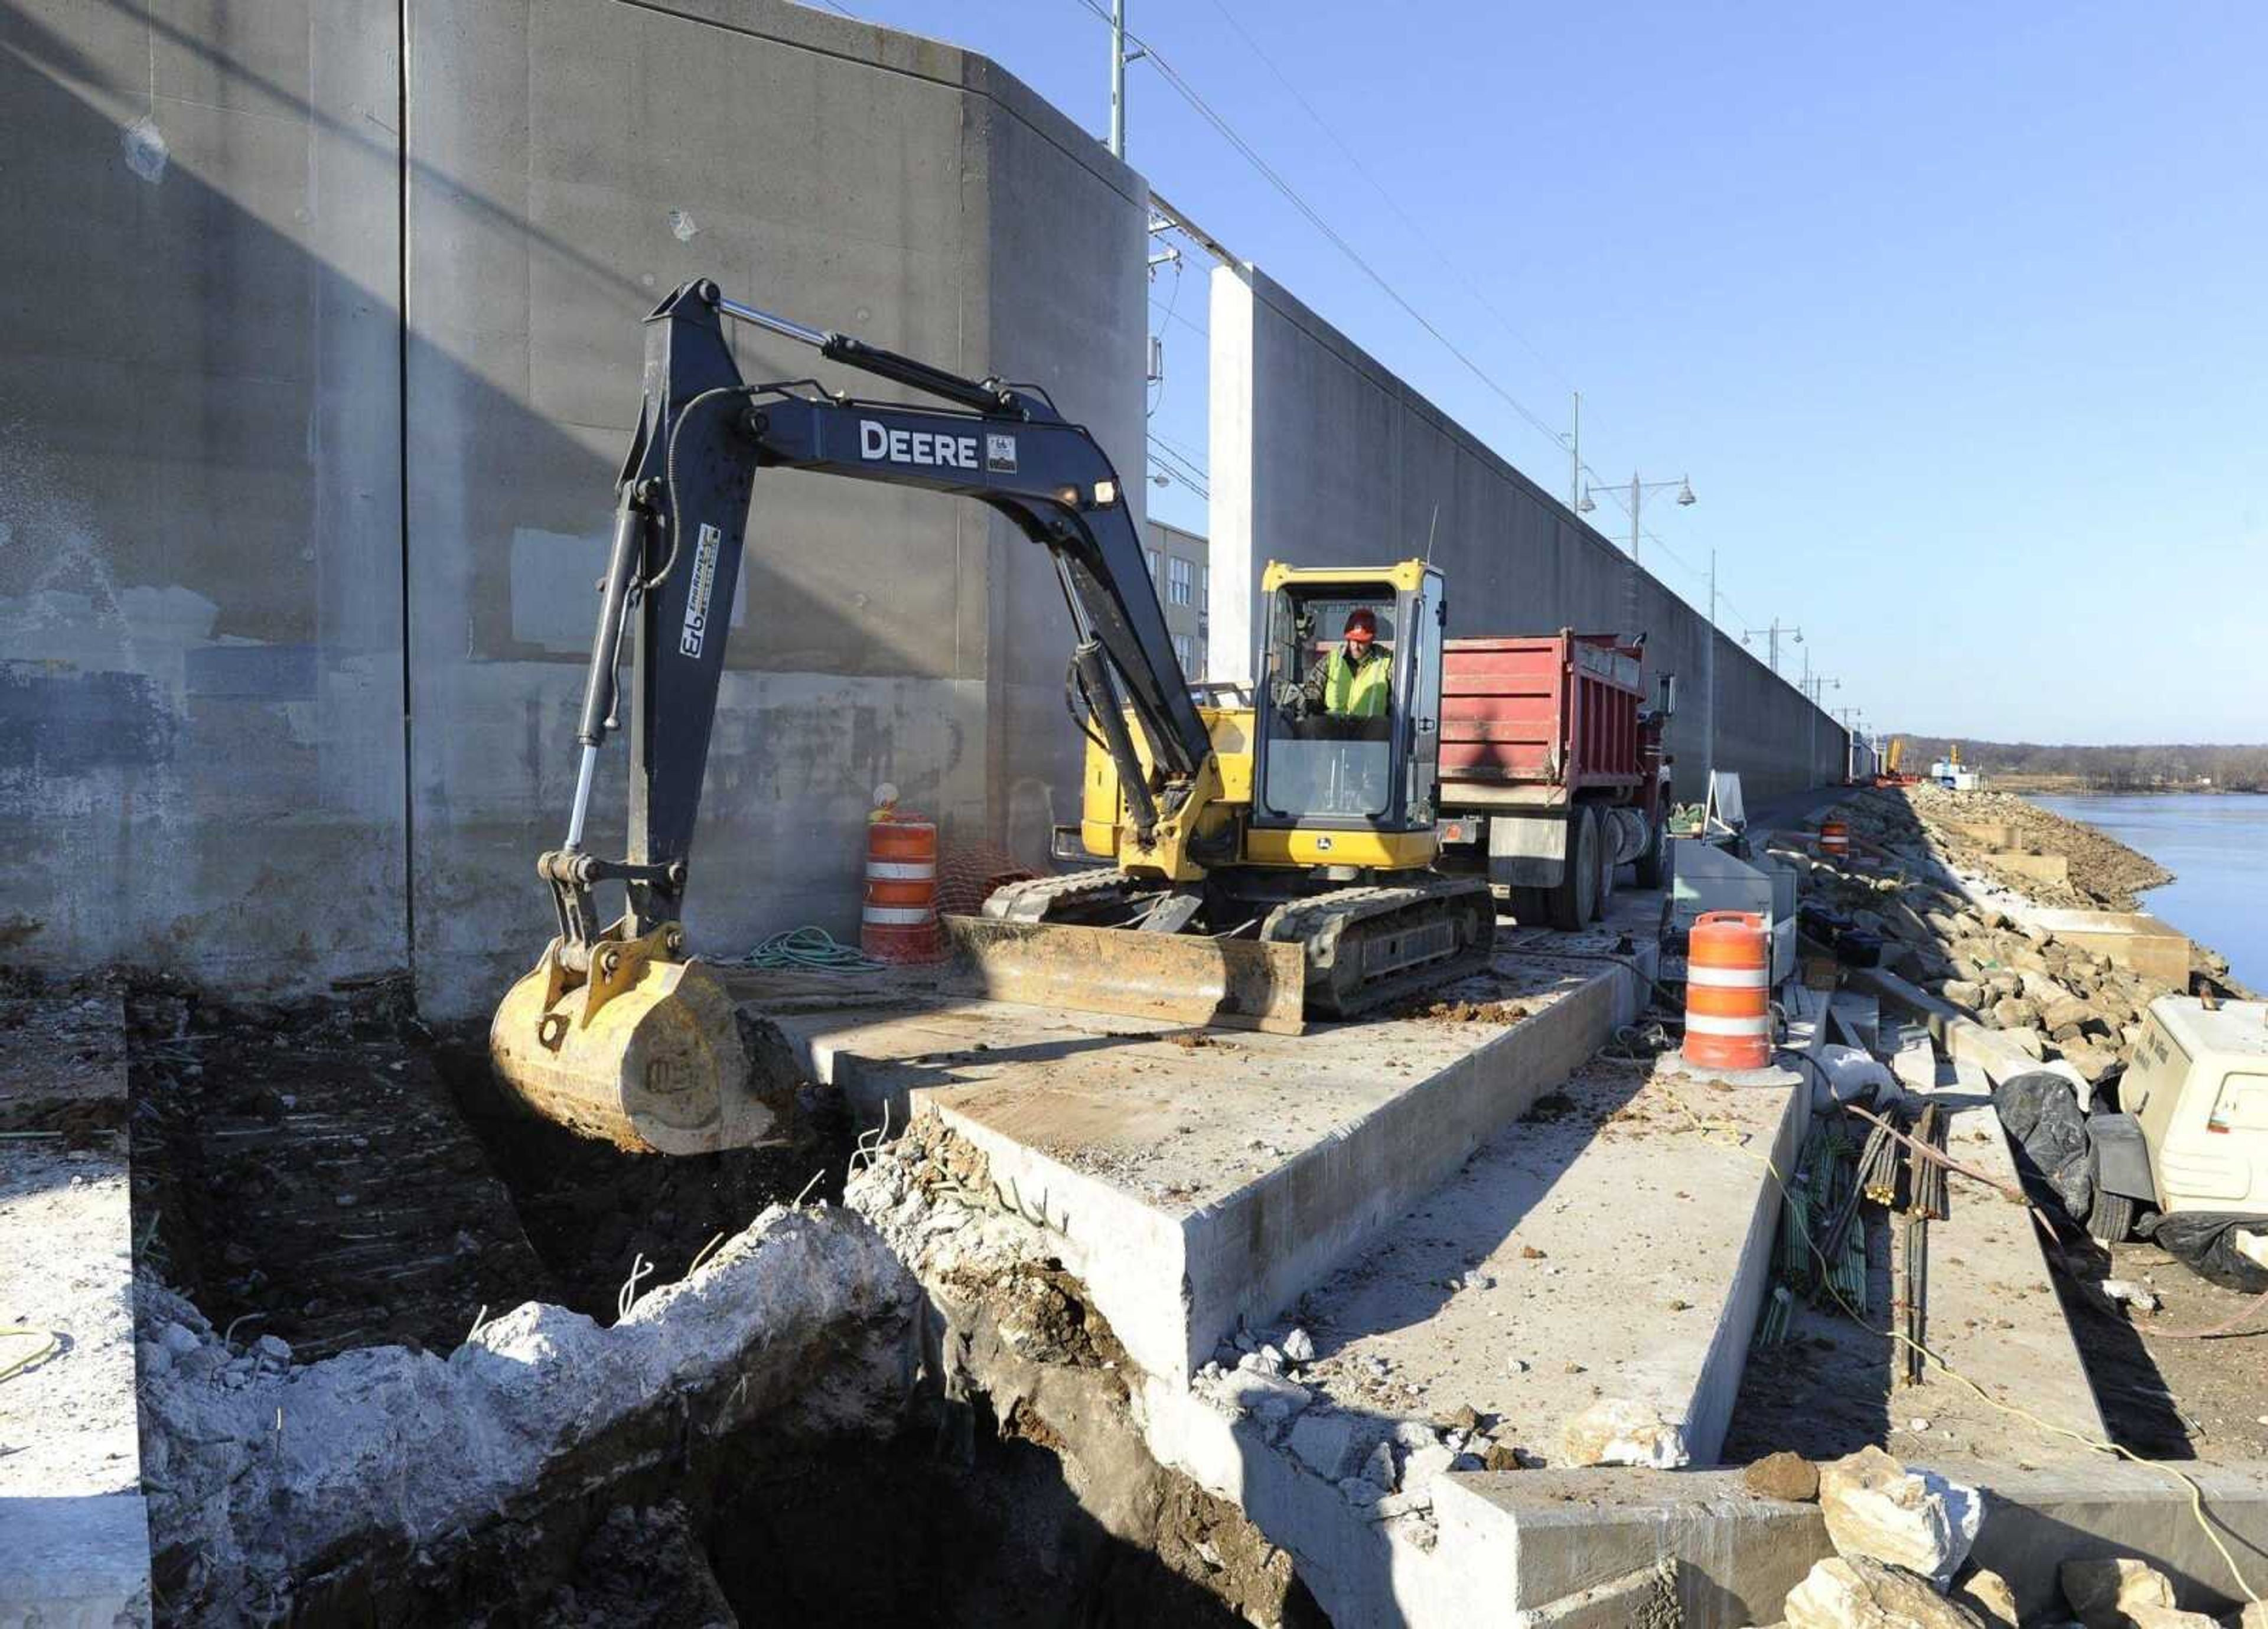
[1355, 692]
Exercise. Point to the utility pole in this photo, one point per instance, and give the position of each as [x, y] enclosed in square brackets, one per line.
[1575, 449]
[1118, 78]
[1709, 678]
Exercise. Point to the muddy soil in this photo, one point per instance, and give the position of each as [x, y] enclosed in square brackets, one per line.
[302, 1171]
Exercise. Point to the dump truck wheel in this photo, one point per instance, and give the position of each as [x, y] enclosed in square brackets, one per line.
[1653, 861]
[1575, 901]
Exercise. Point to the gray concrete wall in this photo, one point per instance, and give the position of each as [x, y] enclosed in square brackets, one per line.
[571, 161]
[231, 472]
[1320, 455]
[201, 761]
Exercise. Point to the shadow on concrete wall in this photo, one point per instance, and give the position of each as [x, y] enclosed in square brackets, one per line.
[222, 529]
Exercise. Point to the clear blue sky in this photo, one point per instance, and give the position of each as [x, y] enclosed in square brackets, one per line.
[1957, 315]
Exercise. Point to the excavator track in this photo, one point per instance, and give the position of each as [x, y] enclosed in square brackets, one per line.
[1367, 947]
[1096, 899]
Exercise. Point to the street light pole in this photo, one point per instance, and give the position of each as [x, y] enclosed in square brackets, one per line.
[1118, 61]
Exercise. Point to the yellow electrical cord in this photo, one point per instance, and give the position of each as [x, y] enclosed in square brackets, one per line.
[50, 1343]
[1731, 1139]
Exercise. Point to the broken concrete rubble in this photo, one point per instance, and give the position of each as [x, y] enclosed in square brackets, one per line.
[1878, 1509]
[382, 1453]
[1616, 1431]
[1853, 1592]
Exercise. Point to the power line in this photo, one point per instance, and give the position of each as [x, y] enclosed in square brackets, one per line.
[1192, 459]
[1251, 155]
[1392, 203]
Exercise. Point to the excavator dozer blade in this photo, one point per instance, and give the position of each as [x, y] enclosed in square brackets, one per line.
[1182, 978]
[660, 1064]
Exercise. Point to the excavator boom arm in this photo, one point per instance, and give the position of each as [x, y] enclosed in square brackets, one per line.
[682, 512]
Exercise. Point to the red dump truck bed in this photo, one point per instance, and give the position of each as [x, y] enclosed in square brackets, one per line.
[1558, 714]
[1552, 773]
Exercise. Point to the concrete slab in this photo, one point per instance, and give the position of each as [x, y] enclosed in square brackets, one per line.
[1993, 1313]
[2039, 867]
[2134, 939]
[1202, 1178]
[1529, 1540]
[1612, 1245]
[1525, 1540]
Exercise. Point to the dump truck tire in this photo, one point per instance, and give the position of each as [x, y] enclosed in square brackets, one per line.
[1575, 900]
[1653, 866]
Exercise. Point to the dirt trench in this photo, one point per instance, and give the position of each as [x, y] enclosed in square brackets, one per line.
[335, 1177]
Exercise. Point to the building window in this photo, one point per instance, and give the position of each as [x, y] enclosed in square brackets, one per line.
[1204, 589]
[1153, 554]
[1185, 655]
[1178, 580]
[1204, 663]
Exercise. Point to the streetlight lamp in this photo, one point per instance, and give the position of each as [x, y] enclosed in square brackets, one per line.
[1772, 634]
[1638, 490]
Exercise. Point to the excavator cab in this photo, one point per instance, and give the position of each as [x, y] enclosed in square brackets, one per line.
[1345, 752]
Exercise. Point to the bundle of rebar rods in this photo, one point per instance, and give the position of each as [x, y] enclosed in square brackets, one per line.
[1878, 1166]
[1928, 1178]
[1913, 1291]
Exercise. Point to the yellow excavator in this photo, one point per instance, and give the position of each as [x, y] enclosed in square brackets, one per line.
[1268, 857]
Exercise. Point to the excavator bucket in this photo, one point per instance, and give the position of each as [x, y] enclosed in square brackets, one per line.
[1182, 978]
[646, 1053]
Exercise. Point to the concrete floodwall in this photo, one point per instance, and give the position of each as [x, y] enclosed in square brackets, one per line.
[201, 761]
[573, 161]
[282, 391]
[1320, 455]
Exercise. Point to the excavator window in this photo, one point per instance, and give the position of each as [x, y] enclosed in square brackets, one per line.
[1331, 744]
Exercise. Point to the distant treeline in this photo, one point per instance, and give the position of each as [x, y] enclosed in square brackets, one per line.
[2108, 769]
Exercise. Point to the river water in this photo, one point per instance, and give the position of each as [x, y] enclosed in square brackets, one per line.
[2216, 845]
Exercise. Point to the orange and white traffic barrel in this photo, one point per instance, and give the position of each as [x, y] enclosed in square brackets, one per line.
[899, 921]
[1728, 991]
[1835, 840]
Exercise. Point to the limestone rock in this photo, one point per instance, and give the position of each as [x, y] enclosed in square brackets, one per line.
[2255, 1616]
[1876, 1508]
[1618, 1431]
[1845, 1592]
[1783, 1476]
[2104, 1591]
[2090, 1060]
[1299, 1347]
[1985, 1592]
[1963, 992]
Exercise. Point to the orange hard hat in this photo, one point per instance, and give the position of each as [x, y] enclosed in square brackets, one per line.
[1361, 626]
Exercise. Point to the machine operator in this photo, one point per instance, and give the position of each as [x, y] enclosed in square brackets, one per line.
[1350, 682]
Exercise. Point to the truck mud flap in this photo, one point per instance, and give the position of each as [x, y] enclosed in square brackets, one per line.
[1178, 978]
